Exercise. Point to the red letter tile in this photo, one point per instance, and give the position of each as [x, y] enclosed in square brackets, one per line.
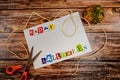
[31, 32]
[58, 56]
[40, 30]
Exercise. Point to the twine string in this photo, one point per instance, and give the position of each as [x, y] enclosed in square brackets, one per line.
[71, 17]
[6, 46]
[93, 53]
[85, 55]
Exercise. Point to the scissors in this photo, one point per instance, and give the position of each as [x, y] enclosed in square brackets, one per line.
[11, 69]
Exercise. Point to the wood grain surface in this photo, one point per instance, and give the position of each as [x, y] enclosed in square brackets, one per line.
[104, 65]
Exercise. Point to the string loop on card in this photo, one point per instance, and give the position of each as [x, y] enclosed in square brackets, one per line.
[75, 27]
[71, 17]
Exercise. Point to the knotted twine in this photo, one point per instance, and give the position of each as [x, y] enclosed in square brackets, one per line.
[75, 27]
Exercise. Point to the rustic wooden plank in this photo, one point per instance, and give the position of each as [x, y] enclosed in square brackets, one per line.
[101, 66]
[110, 52]
[104, 65]
[74, 4]
[64, 69]
[18, 18]
[30, 4]
[11, 4]
[12, 1]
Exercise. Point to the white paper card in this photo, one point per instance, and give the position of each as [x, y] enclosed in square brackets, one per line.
[55, 46]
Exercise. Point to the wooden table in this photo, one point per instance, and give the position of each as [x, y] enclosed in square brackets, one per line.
[104, 65]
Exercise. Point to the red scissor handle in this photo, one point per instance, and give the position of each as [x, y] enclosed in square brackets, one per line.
[24, 76]
[11, 69]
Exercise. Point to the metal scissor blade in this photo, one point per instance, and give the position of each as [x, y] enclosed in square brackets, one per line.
[30, 57]
[35, 57]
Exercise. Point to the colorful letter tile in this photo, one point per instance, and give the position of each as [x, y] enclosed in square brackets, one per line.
[49, 58]
[63, 54]
[74, 51]
[51, 26]
[31, 32]
[43, 60]
[85, 47]
[79, 48]
[68, 53]
[58, 55]
[46, 29]
[54, 57]
[40, 30]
